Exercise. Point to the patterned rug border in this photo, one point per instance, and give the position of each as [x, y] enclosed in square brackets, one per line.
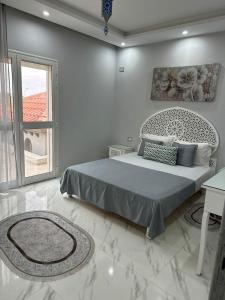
[192, 222]
[29, 277]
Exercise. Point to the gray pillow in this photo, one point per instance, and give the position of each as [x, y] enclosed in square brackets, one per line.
[163, 154]
[185, 154]
[142, 145]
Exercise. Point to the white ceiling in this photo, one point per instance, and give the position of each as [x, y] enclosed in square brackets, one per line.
[133, 21]
[132, 15]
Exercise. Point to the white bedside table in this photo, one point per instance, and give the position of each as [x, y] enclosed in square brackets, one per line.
[117, 150]
[214, 203]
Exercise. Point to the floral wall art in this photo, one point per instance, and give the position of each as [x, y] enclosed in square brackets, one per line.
[193, 84]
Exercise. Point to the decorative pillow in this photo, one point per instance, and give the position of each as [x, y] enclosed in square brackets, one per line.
[185, 154]
[142, 145]
[163, 154]
[167, 140]
[203, 153]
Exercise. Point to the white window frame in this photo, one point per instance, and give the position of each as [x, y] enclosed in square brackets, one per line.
[17, 57]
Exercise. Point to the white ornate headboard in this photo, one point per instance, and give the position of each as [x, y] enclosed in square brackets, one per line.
[183, 123]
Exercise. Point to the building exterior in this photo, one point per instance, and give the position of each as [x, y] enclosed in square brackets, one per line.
[35, 108]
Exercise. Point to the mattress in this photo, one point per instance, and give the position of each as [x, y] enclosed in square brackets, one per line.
[142, 195]
[198, 174]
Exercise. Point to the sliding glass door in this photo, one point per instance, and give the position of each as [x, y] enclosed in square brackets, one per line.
[35, 86]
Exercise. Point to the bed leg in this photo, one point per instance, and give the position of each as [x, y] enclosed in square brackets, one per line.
[147, 234]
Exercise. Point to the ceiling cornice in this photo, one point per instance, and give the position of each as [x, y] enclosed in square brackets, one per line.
[78, 14]
[180, 22]
[75, 19]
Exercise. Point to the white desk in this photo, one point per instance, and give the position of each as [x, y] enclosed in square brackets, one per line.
[214, 203]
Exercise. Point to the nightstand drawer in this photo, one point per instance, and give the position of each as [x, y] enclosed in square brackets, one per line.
[114, 152]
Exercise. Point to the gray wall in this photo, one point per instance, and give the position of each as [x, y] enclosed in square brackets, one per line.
[86, 83]
[133, 87]
[99, 105]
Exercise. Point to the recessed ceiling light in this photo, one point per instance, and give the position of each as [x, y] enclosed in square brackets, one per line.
[46, 13]
[185, 32]
[111, 271]
[123, 44]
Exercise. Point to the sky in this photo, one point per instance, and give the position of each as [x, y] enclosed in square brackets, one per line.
[33, 81]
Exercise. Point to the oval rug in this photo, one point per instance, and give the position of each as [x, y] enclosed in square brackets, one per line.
[43, 246]
[193, 216]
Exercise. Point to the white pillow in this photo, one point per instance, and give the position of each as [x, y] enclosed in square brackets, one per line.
[167, 140]
[203, 153]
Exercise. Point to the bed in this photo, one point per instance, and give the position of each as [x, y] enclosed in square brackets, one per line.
[144, 191]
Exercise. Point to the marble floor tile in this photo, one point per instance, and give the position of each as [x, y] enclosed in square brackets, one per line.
[125, 265]
[127, 243]
[152, 292]
[46, 293]
[14, 288]
[179, 275]
[103, 278]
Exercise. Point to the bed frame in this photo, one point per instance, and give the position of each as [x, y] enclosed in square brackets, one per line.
[185, 125]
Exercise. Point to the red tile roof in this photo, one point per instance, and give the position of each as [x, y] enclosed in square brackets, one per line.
[35, 108]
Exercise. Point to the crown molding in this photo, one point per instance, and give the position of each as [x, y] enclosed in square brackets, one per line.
[78, 14]
[75, 19]
[215, 15]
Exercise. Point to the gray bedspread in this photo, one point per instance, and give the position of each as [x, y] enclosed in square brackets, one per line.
[144, 196]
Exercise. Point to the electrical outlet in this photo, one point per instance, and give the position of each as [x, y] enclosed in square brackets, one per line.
[121, 69]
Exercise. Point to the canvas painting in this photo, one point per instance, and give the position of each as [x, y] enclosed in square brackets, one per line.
[193, 83]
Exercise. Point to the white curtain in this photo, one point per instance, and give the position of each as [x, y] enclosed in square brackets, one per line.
[7, 138]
